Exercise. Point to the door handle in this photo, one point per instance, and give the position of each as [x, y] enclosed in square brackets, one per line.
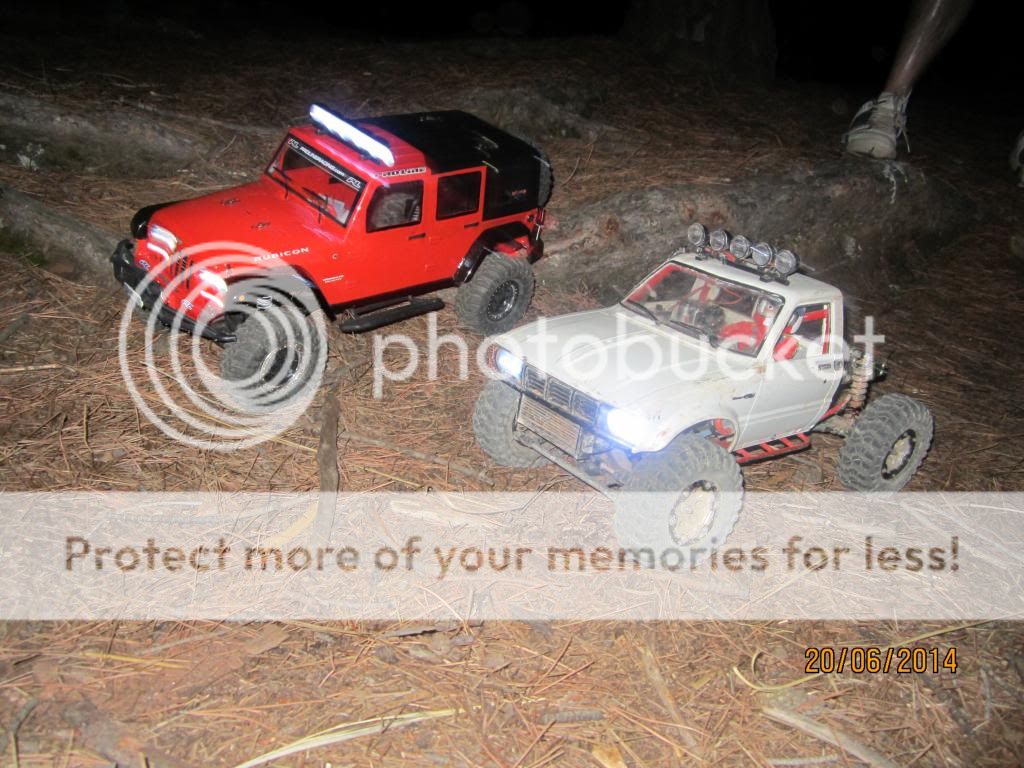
[470, 226]
[744, 397]
[420, 236]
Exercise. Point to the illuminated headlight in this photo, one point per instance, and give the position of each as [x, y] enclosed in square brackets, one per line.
[213, 280]
[718, 240]
[508, 364]
[628, 426]
[164, 236]
[696, 234]
[786, 262]
[761, 254]
[740, 247]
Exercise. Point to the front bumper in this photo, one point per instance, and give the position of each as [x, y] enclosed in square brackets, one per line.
[149, 297]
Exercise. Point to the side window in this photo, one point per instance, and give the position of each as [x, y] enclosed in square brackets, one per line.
[806, 333]
[458, 195]
[399, 205]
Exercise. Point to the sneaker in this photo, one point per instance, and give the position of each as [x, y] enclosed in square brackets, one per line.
[1017, 158]
[877, 127]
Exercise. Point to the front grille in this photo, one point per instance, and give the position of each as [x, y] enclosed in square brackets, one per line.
[584, 406]
[549, 424]
[560, 394]
[534, 380]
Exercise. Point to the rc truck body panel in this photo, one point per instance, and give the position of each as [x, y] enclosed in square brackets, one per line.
[357, 229]
[620, 358]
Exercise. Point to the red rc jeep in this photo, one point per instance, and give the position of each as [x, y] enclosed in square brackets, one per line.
[364, 217]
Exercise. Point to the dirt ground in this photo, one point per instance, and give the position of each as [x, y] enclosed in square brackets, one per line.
[584, 694]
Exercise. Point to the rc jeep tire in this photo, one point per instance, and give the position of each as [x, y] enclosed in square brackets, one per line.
[497, 296]
[685, 499]
[258, 361]
[494, 422]
[887, 444]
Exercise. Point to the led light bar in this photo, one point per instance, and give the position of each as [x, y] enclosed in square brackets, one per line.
[345, 131]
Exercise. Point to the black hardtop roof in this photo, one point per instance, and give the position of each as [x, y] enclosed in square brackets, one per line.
[454, 139]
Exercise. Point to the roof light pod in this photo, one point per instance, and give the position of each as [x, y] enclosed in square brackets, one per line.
[696, 234]
[740, 247]
[718, 240]
[345, 131]
[786, 262]
[761, 254]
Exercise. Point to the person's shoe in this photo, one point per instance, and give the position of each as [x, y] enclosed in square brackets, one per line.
[1017, 159]
[877, 127]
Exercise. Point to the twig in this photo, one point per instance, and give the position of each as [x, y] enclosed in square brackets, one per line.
[19, 717]
[830, 735]
[327, 461]
[653, 672]
[29, 368]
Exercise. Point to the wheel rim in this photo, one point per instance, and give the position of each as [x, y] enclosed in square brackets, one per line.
[899, 454]
[693, 512]
[502, 300]
[277, 368]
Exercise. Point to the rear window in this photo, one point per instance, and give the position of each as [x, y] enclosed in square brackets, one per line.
[511, 190]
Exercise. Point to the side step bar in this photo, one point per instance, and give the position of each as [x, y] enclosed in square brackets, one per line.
[376, 315]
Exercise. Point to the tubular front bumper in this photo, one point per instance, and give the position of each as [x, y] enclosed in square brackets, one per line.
[131, 276]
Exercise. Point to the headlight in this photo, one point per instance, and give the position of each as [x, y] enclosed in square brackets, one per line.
[719, 240]
[761, 254]
[508, 363]
[628, 426]
[163, 236]
[740, 247]
[696, 234]
[786, 262]
[213, 280]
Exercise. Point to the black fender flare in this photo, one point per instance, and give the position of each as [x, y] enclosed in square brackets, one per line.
[296, 284]
[140, 221]
[484, 244]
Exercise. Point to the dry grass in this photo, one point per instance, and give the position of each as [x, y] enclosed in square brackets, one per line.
[527, 695]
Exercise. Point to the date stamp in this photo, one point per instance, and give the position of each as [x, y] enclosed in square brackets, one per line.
[861, 660]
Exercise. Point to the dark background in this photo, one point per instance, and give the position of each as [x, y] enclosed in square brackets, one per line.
[850, 44]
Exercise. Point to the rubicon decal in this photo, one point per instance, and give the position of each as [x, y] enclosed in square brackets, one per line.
[283, 254]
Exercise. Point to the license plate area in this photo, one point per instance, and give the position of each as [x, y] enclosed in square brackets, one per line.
[562, 432]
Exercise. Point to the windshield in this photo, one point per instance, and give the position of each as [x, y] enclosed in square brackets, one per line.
[724, 312]
[321, 182]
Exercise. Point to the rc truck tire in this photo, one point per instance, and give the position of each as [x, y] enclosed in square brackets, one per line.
[274, 354]
[680, 503]
[494, 422]
[887, 444]
[497, 296]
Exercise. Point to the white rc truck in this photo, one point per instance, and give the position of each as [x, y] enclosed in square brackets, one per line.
[724, 355]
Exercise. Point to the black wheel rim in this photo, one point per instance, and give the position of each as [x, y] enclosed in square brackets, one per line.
[502, 300]
[697, 504]
[279, 366]
[899, 455]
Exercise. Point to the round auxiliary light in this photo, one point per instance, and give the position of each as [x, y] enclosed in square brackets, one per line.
[696, 234]
[740, 247]
[786, 262]
[718, 240]
[761, 254]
